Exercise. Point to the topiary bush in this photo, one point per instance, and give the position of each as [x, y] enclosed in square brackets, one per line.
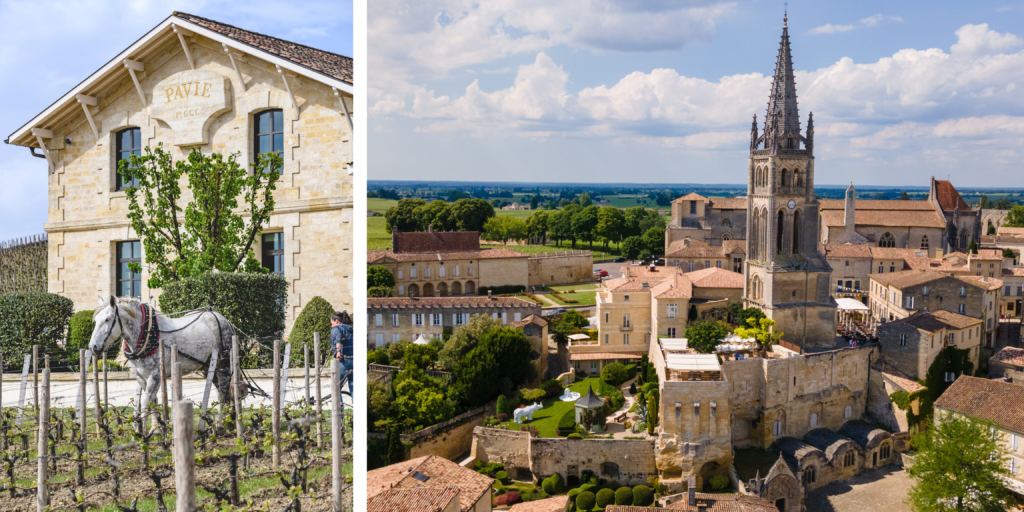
[614, 374]
[502, 477]
[502, 405]
[254, 303]
[532, 395]
[643, 496]
[719, 482]
[585, 501]
[605, 497]
[624, 496]
[573, 493]
[574, 436]
[553, 484]
[315, 317]
[33, 318]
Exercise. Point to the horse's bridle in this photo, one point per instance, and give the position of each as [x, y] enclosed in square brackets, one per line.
[117, 314]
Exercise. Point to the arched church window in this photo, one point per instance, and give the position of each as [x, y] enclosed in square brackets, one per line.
[797, 178]
[726, 237]
[887, 240]
[796, 232]
[779, 231]
[727, 222]
[785, 178]
[924, 242]
[809, 475]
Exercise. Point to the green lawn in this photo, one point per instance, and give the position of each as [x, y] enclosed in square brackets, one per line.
[570, 287]
[546, 419]
[598, 250]
[376, 204]
[377, 237]
[519, 214]
[584, 298]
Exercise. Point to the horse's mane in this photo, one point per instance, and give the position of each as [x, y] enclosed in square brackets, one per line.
[131, 301]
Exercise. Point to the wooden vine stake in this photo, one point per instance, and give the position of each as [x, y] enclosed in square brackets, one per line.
[276, 404]
[184, 456]
[42, 439]
[319, 407]
[236, 385]
[337, 439]
[96, 391]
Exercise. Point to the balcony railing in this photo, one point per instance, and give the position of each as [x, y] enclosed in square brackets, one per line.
[584, 343]
[626, 327]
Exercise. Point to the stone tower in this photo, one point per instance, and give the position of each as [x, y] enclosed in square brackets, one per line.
[786, 275]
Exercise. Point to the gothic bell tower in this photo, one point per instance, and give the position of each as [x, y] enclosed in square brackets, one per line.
[786, 275]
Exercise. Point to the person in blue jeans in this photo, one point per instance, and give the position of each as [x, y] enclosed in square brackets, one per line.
[341, 343]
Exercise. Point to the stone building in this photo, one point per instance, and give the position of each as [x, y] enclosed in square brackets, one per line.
[692, 254]
[440, 499]
[707, 502]
[712, 220]
[1007, 365]
[963, 223]
[430, 263]
[1011, 305]
[781, 486]
[901, 294]
[995, 402]
[394, 319]
[912, 343]
[882, 223]
[785, 275]
[421, 478]
[194, 83]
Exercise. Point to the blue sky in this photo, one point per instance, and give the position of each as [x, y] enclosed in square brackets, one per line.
[662, 91]
[47, 47]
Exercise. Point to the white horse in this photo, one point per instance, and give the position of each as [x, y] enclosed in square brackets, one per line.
[526, 413]
[195, 334]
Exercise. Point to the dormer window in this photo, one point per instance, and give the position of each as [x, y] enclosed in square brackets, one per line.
[129, 142]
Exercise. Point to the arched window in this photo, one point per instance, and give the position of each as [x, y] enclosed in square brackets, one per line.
[884, 451]
[780, 230]
[785, 178]
[849, 459]
[727, 222]
[887, 240]
[129, 142]
[796, 232]
[797, 179]
[924, 242]
[848, 412]
[814, 420]
[809, 475]
[726, 237]
[269, 133]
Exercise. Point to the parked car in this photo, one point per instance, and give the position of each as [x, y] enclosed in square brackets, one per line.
[602, 273]
[620, 259]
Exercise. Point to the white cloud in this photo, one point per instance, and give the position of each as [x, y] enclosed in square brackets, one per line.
[878, 19]
[978, 39]
[829, 28]
[870, 21]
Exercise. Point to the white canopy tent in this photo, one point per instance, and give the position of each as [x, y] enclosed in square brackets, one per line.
[421, 340]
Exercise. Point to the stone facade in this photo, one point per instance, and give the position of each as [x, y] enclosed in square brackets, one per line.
[88, 215]
[911, 344]
[394, 319]
[712, 220]
[568, 267]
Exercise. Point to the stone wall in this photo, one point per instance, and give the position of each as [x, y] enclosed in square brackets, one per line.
[504, 272]
[567, 267]
[506, 447]
[407, 331]
[626, 461]
[695, 433]
[450, 439]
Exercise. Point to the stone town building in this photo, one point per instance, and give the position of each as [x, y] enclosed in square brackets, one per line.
[963, 224]
[1012, 300]
[996, 402]
[394, 319]
[651, 302]
[1008, 365]
[912, 343]
[712, 220]
[785, 275]
[692, 254]
[901, 294]
[427, 474]
[445, 264]
[193, 83]
[554, 504]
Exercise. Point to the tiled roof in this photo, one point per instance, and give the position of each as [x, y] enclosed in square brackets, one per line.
[1006, 230]
[483, 254]
[949, 198]
[907, 278]
[921, 320]
[532, 319]
[323, 62]
[796, 448]
[598, 356]
[413, 500]
[847, 251]
[693, 248]
[989, 400]
[878, 204]
[675, 287]
[729, 203]
[896, 375]
[988, 255]
[886, 218]
[661, 272]
[826, 440]
[1010, 355]
[438, 472]
[866, 435]
[955, 320]
[1013, 272]
[448, 302]
[729, 246]
[896, 253]
[632, 284]
[556, 504]
[716, 278]
[435, 241]
[714, 502]
[692, 196]
[987, 283]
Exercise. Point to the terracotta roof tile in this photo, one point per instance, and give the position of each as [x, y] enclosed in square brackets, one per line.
[955, 320]
[662, 272]
[556, 504]
[532, 319]
[878, 204]
[1006, 230]
[989, 400]
[693, 248]
[436, 241]
[323, 62]
[1010, 355]
[907, 278]
[375, 256]
[921, 320]
[675, 287]
[448, 302]
[632, 284]
[886, 218]
[730, 246]
[949, 199]
[847, 251]
[692, 196]
[896, 375]
[716, 278]
[1013, 272]
[413, 500]
[988, 283]
[729, 203]
[439, 472]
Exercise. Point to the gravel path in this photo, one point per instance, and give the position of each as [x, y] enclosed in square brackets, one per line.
[883, 489]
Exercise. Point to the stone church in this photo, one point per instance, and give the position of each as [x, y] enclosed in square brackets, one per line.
[786, 275]
[192, 82]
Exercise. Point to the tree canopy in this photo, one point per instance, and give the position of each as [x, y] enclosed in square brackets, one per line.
[464, 339]
[1014, 217]
[705, 336]
[761, 330]
[502, 354]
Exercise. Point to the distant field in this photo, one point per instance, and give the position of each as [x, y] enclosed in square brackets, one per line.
[519, 214]
[379, 205]
[597, 252]
[377, 238]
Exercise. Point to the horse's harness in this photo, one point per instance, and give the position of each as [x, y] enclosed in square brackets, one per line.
[149, 336]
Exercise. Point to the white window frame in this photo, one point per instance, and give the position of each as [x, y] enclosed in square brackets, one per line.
[378, 320]
[777, 428]
[426, 272]
[417, 319]
[401, 289]
[401, 274]
[394, 319]
[436, 319]
[412, 273]
[672, 311]
[440, 271]
[379, 339]
[456, 271]
[903, 340]
[518, 316]
[625, 338]
[395, 338]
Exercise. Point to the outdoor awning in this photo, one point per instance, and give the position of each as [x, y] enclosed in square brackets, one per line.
[579, 337]
[848, 304]
[421, 341]
[597, 356]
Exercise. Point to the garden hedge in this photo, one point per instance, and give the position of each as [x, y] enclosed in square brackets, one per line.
[643, 496]
[614, 374]
[585, 501]
[553, 484]
[33, 318]
[315, 317]
[254, 303]
[624, 496]
[79, 335]
[605, 497]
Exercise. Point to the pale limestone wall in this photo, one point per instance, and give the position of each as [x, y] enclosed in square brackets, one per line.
[314, 195]
[855, 270]
[695, 435]
[381, 328]
[451, 442]
[501, 446]
[555, 268]
[880, 408]
[627, 461]
[747, 381]
[456, 278]
[611, 329]
[504, 272]
[661, 322]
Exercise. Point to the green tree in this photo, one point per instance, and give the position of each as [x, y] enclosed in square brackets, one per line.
[905, 196]
[652, 414]
[503, 228]
[314, 318]
[1003, 204]
[419, 356]
[464, 339]
[379, 405]
[537, 226]
[420, 399]
[1008, 253]
[972, 247]
[567, 222]
[614, 374]
[743, 315]
[471, 214]
[585, 200]
[436, 215]
[986, 203]
[533, 202]
[632, 220]
[575, 319]
[1014, 217]
[403, 216]
[379, 291]
[654, 241]
[501, 406]
[395, 448]
[502, 354]
[610, 221]
[705, 336]
[761, 330]
[959, 466]
[584, 224]
[214, 231]
[632, 247]
[556, 228]
[378, 275]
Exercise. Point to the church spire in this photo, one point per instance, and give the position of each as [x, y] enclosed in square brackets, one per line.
[782, 122]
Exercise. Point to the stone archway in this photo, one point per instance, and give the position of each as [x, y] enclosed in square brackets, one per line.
[470, 288]
[610, 470]
[442, 289]
[456, 288]
[414, 290]
[428, 290]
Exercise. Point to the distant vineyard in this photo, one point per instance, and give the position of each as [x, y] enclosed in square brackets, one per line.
[23, 265]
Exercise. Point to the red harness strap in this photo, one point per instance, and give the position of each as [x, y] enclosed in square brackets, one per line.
[149, 327]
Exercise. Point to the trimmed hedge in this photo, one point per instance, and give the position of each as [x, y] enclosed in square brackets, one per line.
[553, 484]
[643, 496]
[624, 496]
[567, 423]
[605, 497]
[502, 477]
[499, 290]
[315, 317]
[502, 405]
[614, 374]
[585, 501]
[254, 303]
[33, 318]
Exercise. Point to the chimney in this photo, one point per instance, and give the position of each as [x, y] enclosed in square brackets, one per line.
[691, 491]
[430, 228]
[489, 294]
